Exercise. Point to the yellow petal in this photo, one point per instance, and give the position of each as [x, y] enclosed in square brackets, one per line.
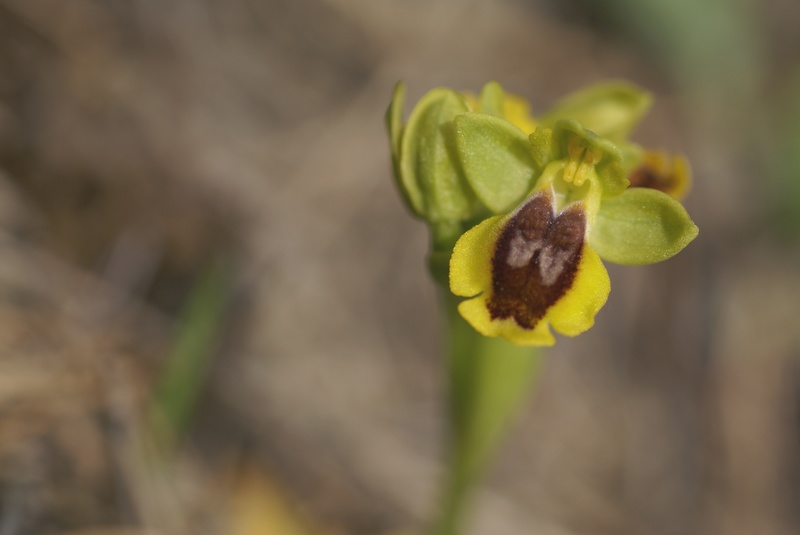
[471, 262]
[540, 335]
[476, 313]
[574, 313]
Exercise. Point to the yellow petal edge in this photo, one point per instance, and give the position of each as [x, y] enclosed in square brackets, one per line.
[471, 261]
[574, 313]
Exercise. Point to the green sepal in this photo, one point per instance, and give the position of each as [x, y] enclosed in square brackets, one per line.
[394, 118]
[394, 124]
[496, 158]
[491, 100]
[611, 109]
[610, 173]
[429, 171]
[641, 226]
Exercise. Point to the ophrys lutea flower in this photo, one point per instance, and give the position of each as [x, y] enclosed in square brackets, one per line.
[537, 267]
[552, 198]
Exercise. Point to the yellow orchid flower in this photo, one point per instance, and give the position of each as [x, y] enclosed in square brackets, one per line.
[550, 196]
[538, 267]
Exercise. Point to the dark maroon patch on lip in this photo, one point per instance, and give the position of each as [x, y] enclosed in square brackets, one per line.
[535, 260]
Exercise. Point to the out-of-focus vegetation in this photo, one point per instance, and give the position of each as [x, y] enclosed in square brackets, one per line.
[140, 142]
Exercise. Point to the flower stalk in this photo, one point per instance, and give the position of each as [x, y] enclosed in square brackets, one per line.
[489, 378]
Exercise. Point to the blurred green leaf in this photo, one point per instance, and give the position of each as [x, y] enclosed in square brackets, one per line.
[186, 369]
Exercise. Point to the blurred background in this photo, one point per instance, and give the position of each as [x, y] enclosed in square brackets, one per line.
[214, 311]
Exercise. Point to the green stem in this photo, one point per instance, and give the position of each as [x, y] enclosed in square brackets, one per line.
[488, 380]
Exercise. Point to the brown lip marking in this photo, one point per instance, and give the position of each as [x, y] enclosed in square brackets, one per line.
[535, 260]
